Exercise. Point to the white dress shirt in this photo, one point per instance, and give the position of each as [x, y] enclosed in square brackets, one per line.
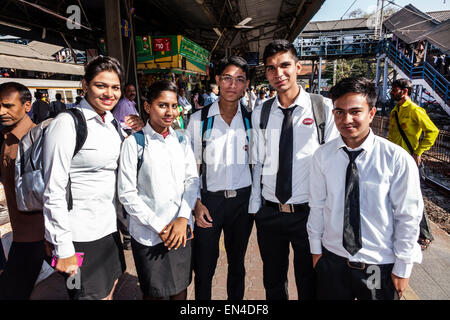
[259, 102]
[93, 176]
[226, 155]
[391, 203]
[166, 187]
[265, 149]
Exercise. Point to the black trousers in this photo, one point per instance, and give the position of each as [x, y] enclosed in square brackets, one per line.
[337, 281]
[231, 215]
[2, 256]
[22, 270]
[276, 231]
[424, 227]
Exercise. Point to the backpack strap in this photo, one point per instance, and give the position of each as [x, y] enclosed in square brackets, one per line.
[247, 118]
[205, 134]
[80, 127]
[265, 113]
[318, 109]
[403, 134]
[81, 135]
[263, 121]
[140, 141]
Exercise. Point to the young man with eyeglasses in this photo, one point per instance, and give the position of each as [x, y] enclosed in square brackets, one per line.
[282, 154]
[220, 131]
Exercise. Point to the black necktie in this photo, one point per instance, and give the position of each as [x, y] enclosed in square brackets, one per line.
[283, 189]
[352, 222]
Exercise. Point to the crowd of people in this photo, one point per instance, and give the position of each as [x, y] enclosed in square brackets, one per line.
[242, 158]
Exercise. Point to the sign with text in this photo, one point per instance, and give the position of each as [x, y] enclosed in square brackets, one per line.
[193, 51]
[161, 44]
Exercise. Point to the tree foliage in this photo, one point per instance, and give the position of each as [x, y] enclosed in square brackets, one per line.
[350, 68]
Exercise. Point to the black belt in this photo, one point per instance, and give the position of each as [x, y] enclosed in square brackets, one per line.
[288, 207]
[229, 193]
[350, 264]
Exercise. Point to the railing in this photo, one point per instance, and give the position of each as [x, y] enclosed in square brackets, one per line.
[440, 149]
[425, 71]
[338, 48]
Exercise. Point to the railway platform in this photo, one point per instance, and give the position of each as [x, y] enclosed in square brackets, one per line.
[430, 280]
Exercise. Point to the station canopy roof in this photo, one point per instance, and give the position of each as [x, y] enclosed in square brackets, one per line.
[35, 56]
[216, 25]
[411, 25]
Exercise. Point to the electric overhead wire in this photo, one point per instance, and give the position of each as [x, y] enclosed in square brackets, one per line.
[344, 14]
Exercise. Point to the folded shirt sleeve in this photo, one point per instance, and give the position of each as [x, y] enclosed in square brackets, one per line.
[58, 149]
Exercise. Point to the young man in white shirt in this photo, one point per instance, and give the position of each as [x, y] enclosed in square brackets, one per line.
[282, 155]
[225, 181]
[365, 211]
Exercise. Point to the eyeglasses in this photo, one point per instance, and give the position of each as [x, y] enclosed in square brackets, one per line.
[229, 79]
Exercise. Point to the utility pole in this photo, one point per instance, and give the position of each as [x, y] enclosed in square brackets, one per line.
[379, 19]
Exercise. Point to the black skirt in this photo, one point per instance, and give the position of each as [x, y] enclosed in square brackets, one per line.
[162, 273]
[103, 264]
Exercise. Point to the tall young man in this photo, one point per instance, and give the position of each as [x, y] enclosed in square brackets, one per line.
[282, 154]
[27, 251]
[225, 181]
[365, 211]
[413, 121]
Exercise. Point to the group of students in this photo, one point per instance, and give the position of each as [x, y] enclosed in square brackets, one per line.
[296, 174]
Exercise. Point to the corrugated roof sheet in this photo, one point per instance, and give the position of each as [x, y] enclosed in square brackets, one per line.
[440, 15]
[36, 56]
[34, 49]
[335, 25]
[439, 36]
[409, 24]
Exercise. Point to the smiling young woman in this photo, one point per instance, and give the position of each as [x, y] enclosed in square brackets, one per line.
[159, 196]
[90, 226]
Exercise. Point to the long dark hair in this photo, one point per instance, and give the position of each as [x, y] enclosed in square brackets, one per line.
[100, 64]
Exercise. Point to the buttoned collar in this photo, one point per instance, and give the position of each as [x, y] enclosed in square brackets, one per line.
[214, 110]
[301, 101]
[90, 113]
[155, 135]
[20, 128]
[367, 145]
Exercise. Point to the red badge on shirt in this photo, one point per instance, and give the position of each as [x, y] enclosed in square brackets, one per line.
[245, 147]
[308, 121]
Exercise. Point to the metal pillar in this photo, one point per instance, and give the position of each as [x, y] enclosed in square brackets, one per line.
[334, 71]
[421, 96]
[113, 30]
[377, 76]
[311, 80]
[320, 75]
[385, 80]
[425, 53]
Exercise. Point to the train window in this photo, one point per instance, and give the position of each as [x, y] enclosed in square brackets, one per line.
[69, 96]
[61, 92]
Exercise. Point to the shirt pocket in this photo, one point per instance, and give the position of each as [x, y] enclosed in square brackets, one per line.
[374, 197]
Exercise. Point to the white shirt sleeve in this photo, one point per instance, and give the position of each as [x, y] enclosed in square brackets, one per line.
[191, 182]
[407, 203]
[194, 136]
[58, 147]
[317, 199]
[257, 158]
[127, 188]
